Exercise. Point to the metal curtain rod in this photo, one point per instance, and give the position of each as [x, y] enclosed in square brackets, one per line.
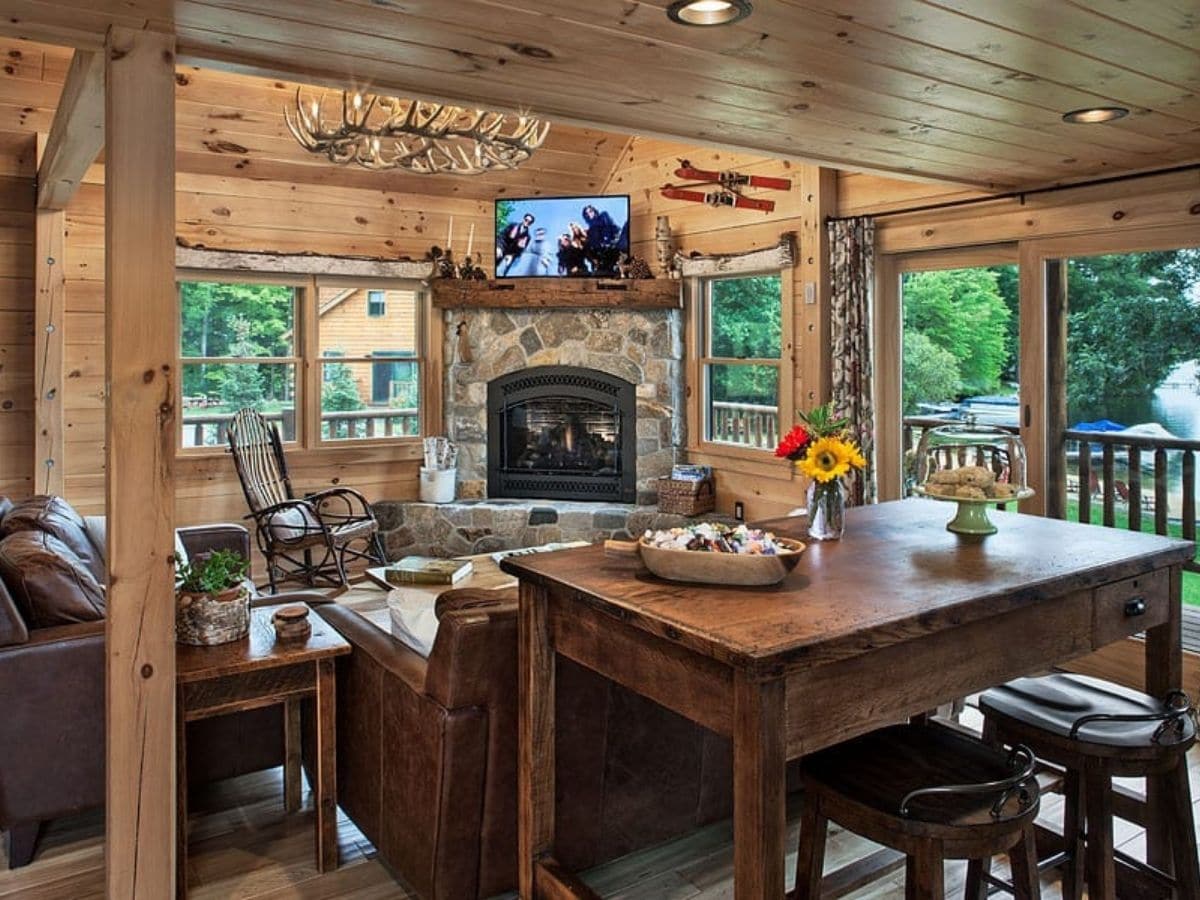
[1020, 195]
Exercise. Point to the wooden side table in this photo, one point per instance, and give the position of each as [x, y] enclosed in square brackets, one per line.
[255, 672]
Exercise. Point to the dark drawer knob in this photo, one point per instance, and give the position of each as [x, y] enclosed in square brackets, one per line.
[1135, 606]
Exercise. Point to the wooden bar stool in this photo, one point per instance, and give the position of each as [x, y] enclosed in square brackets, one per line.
[929, 792]
[1096, 731]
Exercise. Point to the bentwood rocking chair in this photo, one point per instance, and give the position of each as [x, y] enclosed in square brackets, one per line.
[307, 539]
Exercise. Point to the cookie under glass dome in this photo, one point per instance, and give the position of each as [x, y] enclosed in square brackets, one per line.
[973, 465]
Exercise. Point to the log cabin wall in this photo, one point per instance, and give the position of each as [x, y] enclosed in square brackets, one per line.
[248, 215]
[765, 485]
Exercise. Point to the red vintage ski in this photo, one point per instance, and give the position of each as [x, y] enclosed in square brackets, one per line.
[717, 198]
[730, 179]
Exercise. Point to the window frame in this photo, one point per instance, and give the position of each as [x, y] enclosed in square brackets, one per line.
[300, 285]
[370, 301]
[700, 331]
[420, 358]
[307, 359]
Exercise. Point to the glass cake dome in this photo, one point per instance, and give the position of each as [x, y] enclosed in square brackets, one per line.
[973, 465]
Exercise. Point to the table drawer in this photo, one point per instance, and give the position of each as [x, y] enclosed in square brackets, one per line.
[1128, 607]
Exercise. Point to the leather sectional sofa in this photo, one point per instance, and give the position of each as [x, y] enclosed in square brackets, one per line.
[52, 713]
[427, 754]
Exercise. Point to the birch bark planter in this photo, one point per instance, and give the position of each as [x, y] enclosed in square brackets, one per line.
[207, 619]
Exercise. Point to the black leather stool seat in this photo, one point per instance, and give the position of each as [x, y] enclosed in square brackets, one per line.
[1056, 703]
[929, 792]
[1096, 730]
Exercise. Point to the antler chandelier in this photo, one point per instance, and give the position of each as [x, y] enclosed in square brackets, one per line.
[417, 135]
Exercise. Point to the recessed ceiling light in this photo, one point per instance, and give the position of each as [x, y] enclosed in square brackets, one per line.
[1095, 115]
[708, 12]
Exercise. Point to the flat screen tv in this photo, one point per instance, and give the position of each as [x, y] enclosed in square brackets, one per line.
[561, 237]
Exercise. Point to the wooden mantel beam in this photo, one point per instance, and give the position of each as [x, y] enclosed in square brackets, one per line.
[139, 235]
[76, 134]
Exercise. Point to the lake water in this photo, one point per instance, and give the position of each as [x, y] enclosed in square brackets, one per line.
[1175, 405]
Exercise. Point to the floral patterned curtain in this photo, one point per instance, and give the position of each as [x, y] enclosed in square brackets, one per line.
[852, 280]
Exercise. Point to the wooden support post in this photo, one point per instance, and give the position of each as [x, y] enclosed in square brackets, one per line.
[48, 334]
[140, 364]
[818, 190]
[1056, 387]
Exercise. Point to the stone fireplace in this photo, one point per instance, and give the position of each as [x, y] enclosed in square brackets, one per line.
[642, 349]
[561, 433]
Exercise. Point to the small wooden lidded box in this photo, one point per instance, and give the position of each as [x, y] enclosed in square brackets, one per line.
[291, 623]
[686, 498]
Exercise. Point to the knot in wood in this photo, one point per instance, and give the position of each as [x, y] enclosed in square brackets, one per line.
[147, 670]
[1118, 215]
[148, 376]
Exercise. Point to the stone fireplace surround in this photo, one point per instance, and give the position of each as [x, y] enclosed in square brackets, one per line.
[642, 346]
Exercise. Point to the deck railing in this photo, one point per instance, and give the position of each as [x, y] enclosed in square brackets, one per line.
[212, 429]
[744, 424]
[1103, 457]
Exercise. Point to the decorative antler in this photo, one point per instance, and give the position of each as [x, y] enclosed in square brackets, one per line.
[422, 137]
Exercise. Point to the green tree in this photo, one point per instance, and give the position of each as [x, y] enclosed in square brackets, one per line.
[339, 391]
[1132, 317]
[208, 311]
[242, 383]
[961, 311]
[930, 372]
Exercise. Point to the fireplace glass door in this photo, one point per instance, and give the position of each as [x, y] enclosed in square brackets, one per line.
[561, 433]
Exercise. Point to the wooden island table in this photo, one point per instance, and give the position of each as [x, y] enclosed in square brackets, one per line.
[893, 620]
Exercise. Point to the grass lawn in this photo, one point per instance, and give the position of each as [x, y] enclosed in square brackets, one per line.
[1191, 580]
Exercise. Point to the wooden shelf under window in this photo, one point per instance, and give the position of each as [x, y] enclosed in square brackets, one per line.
[557, 293]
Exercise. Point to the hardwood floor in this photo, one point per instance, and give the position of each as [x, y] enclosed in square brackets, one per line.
[243, 845]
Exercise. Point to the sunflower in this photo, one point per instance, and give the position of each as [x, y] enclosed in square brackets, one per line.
[828, 458]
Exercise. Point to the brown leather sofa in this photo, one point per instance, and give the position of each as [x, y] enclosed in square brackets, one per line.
[427, 754]
[52, 674]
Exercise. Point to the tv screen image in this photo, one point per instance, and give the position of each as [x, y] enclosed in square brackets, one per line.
[561, 237]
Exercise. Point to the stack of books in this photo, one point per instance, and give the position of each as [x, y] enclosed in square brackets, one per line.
[690, 473]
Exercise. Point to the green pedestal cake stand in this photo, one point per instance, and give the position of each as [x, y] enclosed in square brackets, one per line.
[972, 516]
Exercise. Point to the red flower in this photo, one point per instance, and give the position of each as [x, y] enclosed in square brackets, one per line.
[794, 443]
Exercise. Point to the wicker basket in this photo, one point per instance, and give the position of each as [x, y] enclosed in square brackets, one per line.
[686, 498]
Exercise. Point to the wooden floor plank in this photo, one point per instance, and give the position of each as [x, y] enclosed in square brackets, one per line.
[245, 846]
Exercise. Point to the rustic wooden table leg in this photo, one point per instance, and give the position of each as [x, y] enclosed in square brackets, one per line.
[291, 755]
[759, 814]
[181, 797]
[326, 767]
[535, 773]
[1164, 673]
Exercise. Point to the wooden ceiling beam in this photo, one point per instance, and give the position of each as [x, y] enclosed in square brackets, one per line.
[76, 134]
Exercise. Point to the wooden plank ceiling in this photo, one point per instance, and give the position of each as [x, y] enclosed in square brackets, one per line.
[968, 91]
[232, 125]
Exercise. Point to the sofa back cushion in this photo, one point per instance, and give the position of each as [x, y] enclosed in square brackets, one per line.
[48, 581]
[56, 517]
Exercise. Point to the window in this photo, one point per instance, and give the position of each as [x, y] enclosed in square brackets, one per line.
[373, 389]
[237, 349]
[246, 342]
[395, 379]
[376, 304]
[742, 362]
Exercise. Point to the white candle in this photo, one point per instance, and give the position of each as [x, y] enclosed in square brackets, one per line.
[471, 239]
[450, 234]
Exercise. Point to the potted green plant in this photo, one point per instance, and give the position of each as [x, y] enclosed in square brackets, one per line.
[212, 602]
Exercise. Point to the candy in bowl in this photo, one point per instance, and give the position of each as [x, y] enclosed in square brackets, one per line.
[711, 553]
[974, 466]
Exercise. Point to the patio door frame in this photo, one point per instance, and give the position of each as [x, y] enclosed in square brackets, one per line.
[888, 339]
[1048, 348]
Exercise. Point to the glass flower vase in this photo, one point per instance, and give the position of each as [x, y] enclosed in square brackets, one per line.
[826, 510]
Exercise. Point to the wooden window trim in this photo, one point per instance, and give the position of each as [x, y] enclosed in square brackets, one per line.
[696, 313]
[308, 361]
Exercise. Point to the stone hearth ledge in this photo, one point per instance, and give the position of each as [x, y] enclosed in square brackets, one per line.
[464, 527]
